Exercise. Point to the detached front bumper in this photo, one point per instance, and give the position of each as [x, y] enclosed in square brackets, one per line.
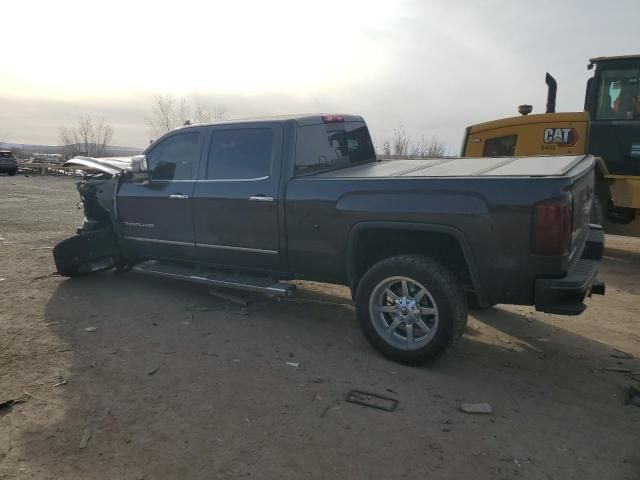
[565, 296]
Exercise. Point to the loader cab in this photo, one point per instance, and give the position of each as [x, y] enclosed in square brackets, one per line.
[613, 103]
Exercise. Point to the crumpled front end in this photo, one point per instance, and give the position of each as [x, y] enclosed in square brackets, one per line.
[95, 247]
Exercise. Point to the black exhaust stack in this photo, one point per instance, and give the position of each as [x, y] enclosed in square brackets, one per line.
[551, 93]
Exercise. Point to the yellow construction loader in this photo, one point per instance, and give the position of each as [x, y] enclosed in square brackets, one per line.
[609, 127]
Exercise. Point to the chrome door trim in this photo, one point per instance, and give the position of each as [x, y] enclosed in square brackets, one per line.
[155, 240]
[238, 249]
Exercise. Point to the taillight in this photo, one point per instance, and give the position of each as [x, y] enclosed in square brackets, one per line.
[332, 119]
[552, 223]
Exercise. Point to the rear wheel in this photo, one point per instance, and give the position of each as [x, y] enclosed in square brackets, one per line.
[411, 308]
[87, 253]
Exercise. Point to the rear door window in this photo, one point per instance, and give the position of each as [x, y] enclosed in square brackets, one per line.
[240, 154]
[332, 145]
[175, 157]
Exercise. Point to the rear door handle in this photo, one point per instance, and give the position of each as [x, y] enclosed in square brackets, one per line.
[261, 198]
[179, 196]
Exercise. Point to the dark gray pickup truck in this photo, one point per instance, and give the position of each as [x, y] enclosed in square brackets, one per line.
[252, 204]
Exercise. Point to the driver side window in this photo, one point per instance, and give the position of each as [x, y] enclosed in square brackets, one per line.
[175, 158]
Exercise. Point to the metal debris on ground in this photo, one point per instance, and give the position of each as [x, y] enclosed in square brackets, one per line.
[194, 307]
[292, 364]
[153, 370]
[622, 355]
[372, 400]
[478, 408]
[633, 376]
[86, 436]
[619, 370]
[230, 298]
[14, 401]
[91, 329]
[62, 381]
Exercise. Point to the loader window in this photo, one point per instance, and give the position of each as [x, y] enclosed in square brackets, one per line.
[618, 95]
[500, 146]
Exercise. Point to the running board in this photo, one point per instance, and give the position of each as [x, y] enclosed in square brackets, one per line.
[264, 285]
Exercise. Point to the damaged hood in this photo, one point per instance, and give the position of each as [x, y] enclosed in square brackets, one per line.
[110, 165]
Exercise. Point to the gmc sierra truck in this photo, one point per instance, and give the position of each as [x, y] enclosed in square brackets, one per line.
[253, 204]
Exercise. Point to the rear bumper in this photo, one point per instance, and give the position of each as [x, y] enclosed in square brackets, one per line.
[565, 296]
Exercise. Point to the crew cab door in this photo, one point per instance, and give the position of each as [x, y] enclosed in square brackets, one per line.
[156, 214]
[236, 204]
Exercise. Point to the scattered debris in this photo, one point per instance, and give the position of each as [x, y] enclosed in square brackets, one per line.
[372, 400]
[316, 380]
[91, 329]
[293, 364]
[619, 370]
[231, 298]
[86, 436]
[62, 381]
[622, 355]
[633, 376]
[194, 307]
[349, 340]
[153, 370]
[329, 407]
[633, 396]
[2, 279]
[40, 277]
[14, 401]
[479, 408]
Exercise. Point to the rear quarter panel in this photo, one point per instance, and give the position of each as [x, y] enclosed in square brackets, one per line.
[493, 215]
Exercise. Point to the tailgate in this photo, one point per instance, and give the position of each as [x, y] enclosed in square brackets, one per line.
[582, 193]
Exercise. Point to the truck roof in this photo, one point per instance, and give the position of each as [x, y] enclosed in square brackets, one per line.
[301, 119]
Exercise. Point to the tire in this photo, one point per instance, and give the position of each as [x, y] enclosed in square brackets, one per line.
[87, 253]
[597, 212]
[442, 308]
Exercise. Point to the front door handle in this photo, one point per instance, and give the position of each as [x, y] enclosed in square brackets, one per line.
[261, 198]
[179, 196]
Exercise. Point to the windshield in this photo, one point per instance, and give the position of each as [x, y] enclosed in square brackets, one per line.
[618, 95]
[332, 145]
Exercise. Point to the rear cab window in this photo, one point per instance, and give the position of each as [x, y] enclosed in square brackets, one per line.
[329, 146]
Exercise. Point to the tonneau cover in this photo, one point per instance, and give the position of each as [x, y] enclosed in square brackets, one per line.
[539, 166]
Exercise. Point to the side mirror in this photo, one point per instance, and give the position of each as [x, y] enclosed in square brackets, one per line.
[139, 164]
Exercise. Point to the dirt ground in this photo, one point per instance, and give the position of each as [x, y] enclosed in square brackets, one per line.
[171, 382]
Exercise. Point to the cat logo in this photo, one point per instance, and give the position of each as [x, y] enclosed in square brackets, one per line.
[562, 137]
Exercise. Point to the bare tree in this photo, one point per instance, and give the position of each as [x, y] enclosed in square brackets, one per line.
[400, 142]
[89, 137]
[401, 146]
[432, 148]
[169, 112]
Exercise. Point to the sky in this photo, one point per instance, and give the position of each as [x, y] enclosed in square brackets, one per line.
[432, 66]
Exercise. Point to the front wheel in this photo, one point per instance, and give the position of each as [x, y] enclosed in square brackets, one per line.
[411, 308]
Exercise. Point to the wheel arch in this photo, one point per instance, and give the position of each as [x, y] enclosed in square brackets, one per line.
[359, 232]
